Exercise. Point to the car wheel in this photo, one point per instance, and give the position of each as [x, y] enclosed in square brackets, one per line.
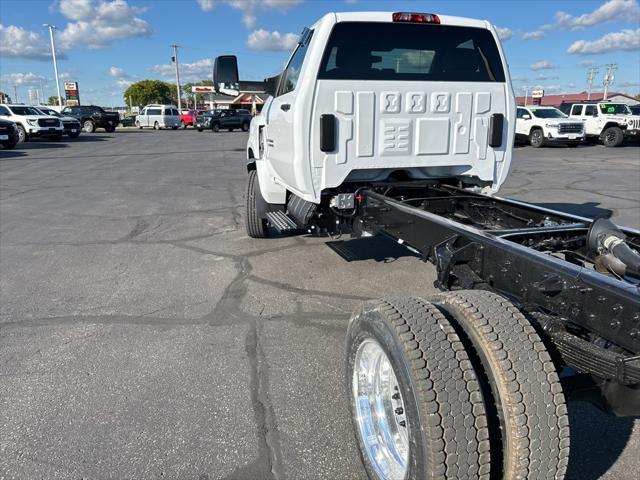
[22, 134]
[88, 126]
[245, 127]
[156, 126]
[11, 143]
[215, 127]
[536, 138]
[183, 125]
[230, 129]
[199, 129]
[138, 125]
[612, 137]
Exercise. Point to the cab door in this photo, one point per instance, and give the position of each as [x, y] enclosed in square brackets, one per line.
[591, 119]
[523, 123]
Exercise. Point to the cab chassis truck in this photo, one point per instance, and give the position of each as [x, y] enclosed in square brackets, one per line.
[366, 131]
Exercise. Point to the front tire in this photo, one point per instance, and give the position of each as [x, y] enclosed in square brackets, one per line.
[138, 125]
[245, 127]
[22, 134]
[612, 137]
[88, 126]
[156, 126]
[183, 125]
[409, 375]
[536, 138]
[256, 226]
[215, 127]
[11, 143]
[528, 421]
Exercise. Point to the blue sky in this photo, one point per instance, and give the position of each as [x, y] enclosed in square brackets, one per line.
[106, 44]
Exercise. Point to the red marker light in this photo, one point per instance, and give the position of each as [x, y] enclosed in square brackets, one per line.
[410, 17]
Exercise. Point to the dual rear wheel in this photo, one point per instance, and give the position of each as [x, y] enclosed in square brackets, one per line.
[459, 388]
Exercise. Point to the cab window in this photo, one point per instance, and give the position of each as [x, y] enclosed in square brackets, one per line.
[290, 76]
[522, 112]
[4, 111]
[576, 110]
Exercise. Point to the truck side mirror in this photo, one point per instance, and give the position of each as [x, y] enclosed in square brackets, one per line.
[225, 75]
[271, 85]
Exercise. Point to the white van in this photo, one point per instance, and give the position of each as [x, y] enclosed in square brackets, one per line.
[159, 116]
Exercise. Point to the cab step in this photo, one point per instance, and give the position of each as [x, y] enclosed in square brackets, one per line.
[281, 221]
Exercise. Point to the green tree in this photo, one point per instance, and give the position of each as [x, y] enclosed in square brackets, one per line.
[145, 92]
[188, 94]
[53, 100]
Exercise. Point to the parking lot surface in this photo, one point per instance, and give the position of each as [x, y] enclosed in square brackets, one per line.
[144, 335]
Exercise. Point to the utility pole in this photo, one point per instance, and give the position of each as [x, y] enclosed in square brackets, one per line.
[526, 93]
[175, 59]
[608, 78]
[15, 94]
[55, 62]
[593, 71]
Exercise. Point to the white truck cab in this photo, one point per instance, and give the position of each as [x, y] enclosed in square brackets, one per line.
[377, 97]
[605, 121]
[545, 125]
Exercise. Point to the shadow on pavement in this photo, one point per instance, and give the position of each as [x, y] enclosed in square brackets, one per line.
[88, 138]
[597, 440]
[378, 248]
[13, 154]
[587, 209]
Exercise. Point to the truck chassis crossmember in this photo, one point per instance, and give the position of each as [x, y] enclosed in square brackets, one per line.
[538, 258]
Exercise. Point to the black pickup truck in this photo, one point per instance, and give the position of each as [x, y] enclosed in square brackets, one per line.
[230, 120]
[92, 117]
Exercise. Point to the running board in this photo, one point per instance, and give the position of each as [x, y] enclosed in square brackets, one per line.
[281, 221]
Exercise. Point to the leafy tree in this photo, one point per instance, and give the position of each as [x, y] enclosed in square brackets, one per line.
[53, 100]
[188, 94]
[145, 92]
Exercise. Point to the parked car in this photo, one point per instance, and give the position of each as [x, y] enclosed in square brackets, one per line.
[71, 125]
[605, 121]
[230, 120]
[30, 122]
[8, 134]
[203, 120]
[188, 117]
[128, 121]
[159, 116]
[93, 117]
[541, 126]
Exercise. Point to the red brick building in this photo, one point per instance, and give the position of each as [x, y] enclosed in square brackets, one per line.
[556, 100]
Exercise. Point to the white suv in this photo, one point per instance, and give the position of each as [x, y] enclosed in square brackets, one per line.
[544, 125]
[608, 122]
[32, 123]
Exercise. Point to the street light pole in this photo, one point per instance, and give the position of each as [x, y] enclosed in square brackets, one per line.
[175, 59]
[55, 62]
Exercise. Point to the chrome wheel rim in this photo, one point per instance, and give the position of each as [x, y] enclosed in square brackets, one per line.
[21, 135]
[380, 412]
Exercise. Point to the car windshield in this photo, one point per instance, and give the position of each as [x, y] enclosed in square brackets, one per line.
[25, 111]
[400, 51]
[615, 108]
[547, 113]
[48, 111]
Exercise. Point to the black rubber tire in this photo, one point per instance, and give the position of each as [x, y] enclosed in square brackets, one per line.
[109, 129]
[22, 134]
[536, 138]
[255, 225]
[11, 143]
[230, 129]
[529, 423]
[174, 128]
[156, 126]
[88, 126]
[245, 127]
[441, 394]
[215, 127]
[138, 125]
[183, 125]
[612, 137]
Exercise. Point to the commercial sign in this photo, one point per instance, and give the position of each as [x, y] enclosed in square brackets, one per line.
[203, 89]
[71, 94]
[537, 93]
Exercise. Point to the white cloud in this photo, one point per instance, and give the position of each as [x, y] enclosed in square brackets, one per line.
[188, 71]
[628, 84]
[587, 63]
[272, 41]
[628, 40]
[20, 43]
[504, 33]
[22, 79]
[117, 72]
[542, 65]
[613, 10]
[250, 8]
[123, 83]
[99, 25]
[550, 88]
[543, 77]
[535, 35]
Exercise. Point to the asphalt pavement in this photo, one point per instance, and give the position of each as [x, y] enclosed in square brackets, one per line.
[144, 335]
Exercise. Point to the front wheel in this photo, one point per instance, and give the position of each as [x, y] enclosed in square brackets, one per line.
[22, 134]
[256, 226]
[110, 129]
[174, 128]
[612, 137]
[199, 129]
[11, 143]
[88, 126]
[183, 125]
[416, 403]
[138, 125]
[156, 126]
[215, 127]
[245, 127]
[536, 138]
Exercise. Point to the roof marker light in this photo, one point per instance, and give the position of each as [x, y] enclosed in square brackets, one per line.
[411, 17]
